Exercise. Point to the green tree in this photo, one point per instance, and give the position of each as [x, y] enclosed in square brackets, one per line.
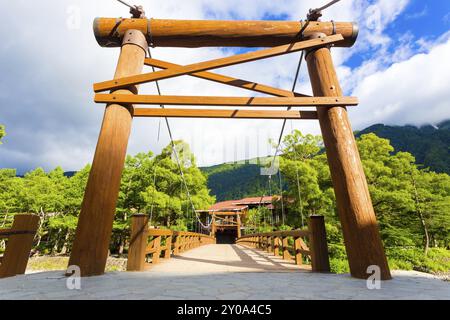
[166, 197]
[306, 173]
[408, 200]
[2, 133]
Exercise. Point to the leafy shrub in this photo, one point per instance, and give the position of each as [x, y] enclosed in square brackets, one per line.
[339, 266]
[437, 260]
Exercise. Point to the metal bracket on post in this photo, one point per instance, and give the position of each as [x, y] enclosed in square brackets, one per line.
[135, 37]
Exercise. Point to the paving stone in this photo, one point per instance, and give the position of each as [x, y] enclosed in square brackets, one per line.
[223, 272]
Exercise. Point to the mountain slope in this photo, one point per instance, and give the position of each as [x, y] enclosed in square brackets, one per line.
[430, 145]
[240, 180]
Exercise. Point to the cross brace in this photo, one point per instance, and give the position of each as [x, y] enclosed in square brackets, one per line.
[239, 83]
[216, 63]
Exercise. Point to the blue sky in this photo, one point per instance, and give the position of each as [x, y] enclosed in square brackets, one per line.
[399, 69]
[420, 19]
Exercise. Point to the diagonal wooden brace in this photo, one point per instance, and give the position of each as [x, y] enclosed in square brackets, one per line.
[216, 63]
[230, 81]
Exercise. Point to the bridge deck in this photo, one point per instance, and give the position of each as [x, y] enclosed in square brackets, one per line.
[222, 272]
[224, 258]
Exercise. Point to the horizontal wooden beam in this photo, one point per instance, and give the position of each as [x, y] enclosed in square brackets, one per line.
[216, 63]
[230, 81]
[226, 101]
[224, 114]
[109, 32]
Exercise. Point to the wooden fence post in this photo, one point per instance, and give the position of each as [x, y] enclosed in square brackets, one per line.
[269, 244]
[168, 250]
[176, 245]
[286, 255]
[298, 254]
[157, 246]
[19, 245]
[318, 244]
[276, 246]
[138, 242]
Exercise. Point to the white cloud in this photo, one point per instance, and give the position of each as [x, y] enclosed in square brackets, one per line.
[414, 91]
[48, 71]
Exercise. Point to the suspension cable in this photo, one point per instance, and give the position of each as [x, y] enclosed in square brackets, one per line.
[175, 153]
[138, 12]
[315, 14]
[299, 191]
[282, 202]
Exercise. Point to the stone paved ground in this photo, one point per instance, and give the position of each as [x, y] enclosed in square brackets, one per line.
[223, 272]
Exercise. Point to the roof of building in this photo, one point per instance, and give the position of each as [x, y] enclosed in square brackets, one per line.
[242, 204]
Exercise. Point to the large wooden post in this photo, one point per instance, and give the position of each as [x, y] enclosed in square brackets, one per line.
[361, 235]
[90, 248]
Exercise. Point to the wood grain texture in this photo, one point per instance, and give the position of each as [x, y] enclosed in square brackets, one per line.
[298, 251]
[225, 114]
[138, 243]
[362, 238]
[318, 244]
[91, 244]
[230, 81]
[285, 246]
[216, 63]
[17, 252]
[218, 33]
[226, 101]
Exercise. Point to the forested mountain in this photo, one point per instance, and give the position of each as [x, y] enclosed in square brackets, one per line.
[239, 180]
[428, 144]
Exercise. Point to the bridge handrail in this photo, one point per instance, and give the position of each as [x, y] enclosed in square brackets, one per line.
[163, 243]
[287, 233]
[20, 241]
[274, 241]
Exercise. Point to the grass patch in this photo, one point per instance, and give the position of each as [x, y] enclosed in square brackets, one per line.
[51, 263]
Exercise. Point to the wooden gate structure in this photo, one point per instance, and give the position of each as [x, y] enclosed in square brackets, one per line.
[361, 235]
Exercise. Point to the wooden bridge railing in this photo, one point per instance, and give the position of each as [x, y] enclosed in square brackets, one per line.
[163, 243]
[20, 241]
[274, 241]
